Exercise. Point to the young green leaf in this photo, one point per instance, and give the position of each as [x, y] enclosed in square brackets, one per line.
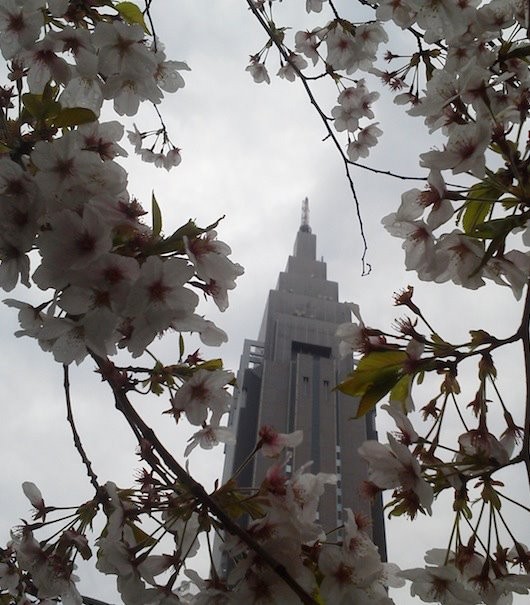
[132, 14]
[157, 216]
[375, 376]
[181, 346]
[479, 203]
[73, 116]
[39, 107]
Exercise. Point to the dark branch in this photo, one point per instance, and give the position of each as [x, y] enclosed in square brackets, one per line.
[77, 440]
[196, 489]
[91, 601]
[525, 337]
[325, 121]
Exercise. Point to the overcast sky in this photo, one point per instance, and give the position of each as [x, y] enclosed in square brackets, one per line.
[250, 152]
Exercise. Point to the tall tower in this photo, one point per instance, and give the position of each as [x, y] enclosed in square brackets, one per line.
[286, 379]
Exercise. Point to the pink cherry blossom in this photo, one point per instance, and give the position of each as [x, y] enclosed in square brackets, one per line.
[272, 442]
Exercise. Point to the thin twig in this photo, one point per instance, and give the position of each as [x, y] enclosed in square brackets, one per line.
[525, 338]
[91, 601]
[77, 440]
[196, 489]
[325, 121]
[402, 177]
[366, 268]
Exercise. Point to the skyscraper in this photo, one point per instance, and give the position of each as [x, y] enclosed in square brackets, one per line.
[286, 381]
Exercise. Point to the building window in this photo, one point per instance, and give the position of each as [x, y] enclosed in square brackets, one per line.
[326, 384]
[305, 379]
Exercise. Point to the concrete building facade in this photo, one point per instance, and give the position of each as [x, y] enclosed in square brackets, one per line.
[286, 380]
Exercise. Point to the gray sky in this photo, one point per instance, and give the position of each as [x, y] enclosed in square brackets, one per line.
[251, 152]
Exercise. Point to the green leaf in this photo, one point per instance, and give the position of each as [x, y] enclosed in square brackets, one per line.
[74, 116]
[142, 539]
[401, 390]
[480, 337]
[498, 228]
[50, 92]
[519, 52]
[235, 503]
[87, 513]
[175, 242]
[479, 203]
[441, 346]
[489, 494]
[39, 107]
[181, 346]
[132, 14]
[157, 216]
[510, 202]
[375, 392]
[375, 376]
[211, 364]
[429, 67]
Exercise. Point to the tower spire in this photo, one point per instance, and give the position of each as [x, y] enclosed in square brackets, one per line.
[304, 224]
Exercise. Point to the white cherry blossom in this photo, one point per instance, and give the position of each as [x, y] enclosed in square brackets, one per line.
[204, 391]
[258, 71]
[289, 70]
[20, 26]
[393, 466]
[464, 151]
[440, 585]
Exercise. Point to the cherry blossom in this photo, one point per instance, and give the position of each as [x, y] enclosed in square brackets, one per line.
[272, 442]
[210, 258]
[307, 43]
[393, 466]
[440, 585]
[464, 151]
[352, 336]
[203, 391]
[258, 71]
[289, 70]
[210, 435]
[20, 26]
[33, 494]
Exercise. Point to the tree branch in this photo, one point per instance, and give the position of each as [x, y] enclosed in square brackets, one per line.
[525, 337]
[196, 489]
[366, 268]
[91, 601]
[77, 440]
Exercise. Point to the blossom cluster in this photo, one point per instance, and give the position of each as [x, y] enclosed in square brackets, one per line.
[342, 48]
[338, 569]
[104, 59]
[116, 282]
[468, 78]
[467, 577]
[354, 104]
[476, 97]
[426, 457]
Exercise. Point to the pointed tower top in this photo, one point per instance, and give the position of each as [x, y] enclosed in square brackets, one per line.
[304, 225]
